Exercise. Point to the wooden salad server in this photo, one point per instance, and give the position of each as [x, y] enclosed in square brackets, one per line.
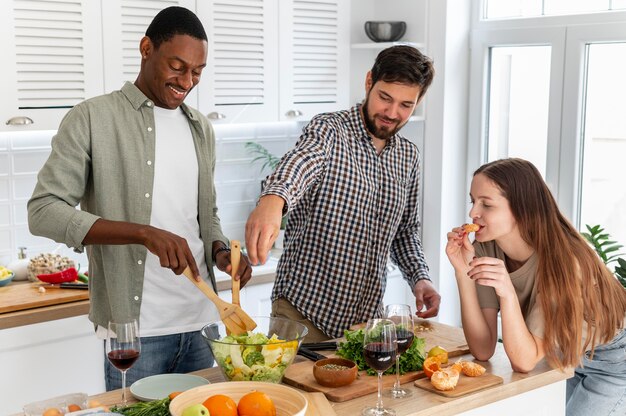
[234, 318]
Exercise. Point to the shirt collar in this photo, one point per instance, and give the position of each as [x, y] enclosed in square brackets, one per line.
[355, 114]
[138, 99]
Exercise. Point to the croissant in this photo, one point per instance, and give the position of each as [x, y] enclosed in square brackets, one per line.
[471, 228]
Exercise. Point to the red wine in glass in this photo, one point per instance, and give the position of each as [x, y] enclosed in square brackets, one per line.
[405, 339]
[380, 348]
[123, 347]
[123, 359]
[379, 356]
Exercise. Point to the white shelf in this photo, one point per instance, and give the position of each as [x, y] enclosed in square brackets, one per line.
[383, 45]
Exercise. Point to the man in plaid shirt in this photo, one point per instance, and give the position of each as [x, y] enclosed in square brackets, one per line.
[351, 187]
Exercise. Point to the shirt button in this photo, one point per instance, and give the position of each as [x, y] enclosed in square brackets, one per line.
[149, 162]
[149, 103]
[139, 262]
[149, 128]
[147, 195]
[136, 297]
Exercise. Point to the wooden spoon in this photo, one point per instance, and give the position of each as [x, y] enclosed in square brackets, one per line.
[235, 256]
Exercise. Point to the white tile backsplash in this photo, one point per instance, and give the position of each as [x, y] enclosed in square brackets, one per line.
[237, 181]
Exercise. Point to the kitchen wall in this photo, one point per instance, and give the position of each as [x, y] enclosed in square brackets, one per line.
[237, 181]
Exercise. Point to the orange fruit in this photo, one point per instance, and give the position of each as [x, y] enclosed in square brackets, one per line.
[445, 379]
[52, 411]
[458, 366]
[256, 403]
[73, 407]
[431, 365]
[174, 394]
[220, 405]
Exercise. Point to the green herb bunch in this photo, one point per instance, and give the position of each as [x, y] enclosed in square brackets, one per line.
[153, 408]
[352, 349]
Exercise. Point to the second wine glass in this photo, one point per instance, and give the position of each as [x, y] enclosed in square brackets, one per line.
[401, 316]
[379, 350]
[123, 348]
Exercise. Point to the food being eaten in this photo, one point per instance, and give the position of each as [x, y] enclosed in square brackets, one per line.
[254, 356]
[472, 369]
[445, 379]
[471, 228]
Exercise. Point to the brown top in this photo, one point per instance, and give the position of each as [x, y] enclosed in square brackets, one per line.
[523, 280]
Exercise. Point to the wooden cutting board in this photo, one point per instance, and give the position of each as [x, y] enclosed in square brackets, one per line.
[17, 297]
[300, 374]
[465, 386]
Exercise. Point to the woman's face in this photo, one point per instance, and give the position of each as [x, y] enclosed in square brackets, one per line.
[491, 211]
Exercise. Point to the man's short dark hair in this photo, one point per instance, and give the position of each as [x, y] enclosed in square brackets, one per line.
[173, 21]
[405, 65]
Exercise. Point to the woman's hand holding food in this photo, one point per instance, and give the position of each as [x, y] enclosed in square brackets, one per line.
[459, 249]
[489, 271]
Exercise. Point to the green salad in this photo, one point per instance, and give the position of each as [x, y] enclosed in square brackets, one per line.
[254, 356]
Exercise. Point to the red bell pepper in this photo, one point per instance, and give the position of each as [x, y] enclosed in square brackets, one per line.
[67, 275]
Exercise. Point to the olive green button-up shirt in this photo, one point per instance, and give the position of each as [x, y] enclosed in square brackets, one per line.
[103, 159]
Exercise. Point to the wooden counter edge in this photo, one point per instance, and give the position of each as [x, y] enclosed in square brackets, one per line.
[454, 406]
[43, 314]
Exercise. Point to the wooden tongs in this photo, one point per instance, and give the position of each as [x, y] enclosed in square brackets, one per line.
[235, 319]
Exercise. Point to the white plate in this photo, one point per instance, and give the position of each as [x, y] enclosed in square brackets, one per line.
[159, 386]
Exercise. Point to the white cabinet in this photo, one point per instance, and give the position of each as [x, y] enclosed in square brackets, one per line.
[255, 299]
[49, 359]
[314, 57]
[240, 82]
[51, 59]
[273, 60]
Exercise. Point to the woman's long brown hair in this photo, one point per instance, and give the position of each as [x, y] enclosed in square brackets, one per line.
[574, 286]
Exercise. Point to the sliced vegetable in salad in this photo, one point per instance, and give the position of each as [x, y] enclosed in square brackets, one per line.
[254, 356]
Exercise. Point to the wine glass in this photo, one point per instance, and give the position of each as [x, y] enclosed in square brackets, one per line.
[401, 316]
[380, 348]
[123, 347]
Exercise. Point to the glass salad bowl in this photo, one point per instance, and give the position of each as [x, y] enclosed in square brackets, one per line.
[260, 355]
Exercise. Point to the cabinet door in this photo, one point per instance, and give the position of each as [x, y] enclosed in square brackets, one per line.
[240, 81]
[52, 59]
[125, 23]
[314, 57]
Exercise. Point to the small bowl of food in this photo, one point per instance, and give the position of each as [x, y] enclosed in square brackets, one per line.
[385, 31]
[335, 372]
[6, 276]
[260, 355]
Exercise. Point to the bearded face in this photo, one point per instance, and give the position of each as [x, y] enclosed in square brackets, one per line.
[388, 106]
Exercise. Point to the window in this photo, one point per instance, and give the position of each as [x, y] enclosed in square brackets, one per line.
[550, 90]
[499, 9]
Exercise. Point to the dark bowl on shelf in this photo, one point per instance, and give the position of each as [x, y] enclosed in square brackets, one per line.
[385, 31]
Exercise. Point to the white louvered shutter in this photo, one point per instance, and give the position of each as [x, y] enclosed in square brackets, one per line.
[52, 63]
[240, 81]
[314, 57]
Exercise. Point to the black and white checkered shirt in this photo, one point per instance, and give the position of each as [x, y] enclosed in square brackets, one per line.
[349, 209]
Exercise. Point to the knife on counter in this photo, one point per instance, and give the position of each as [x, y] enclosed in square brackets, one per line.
[311, 355]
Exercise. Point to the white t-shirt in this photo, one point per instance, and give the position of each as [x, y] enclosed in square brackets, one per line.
[172, 304]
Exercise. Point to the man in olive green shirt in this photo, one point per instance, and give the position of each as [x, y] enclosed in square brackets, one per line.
[140, 163]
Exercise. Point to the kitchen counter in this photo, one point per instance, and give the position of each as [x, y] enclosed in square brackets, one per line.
[540, 391]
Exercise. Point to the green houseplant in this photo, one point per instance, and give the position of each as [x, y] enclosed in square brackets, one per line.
[267, 160]
[607, 250]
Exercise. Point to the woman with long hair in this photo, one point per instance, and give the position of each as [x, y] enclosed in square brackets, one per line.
[555, 296]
